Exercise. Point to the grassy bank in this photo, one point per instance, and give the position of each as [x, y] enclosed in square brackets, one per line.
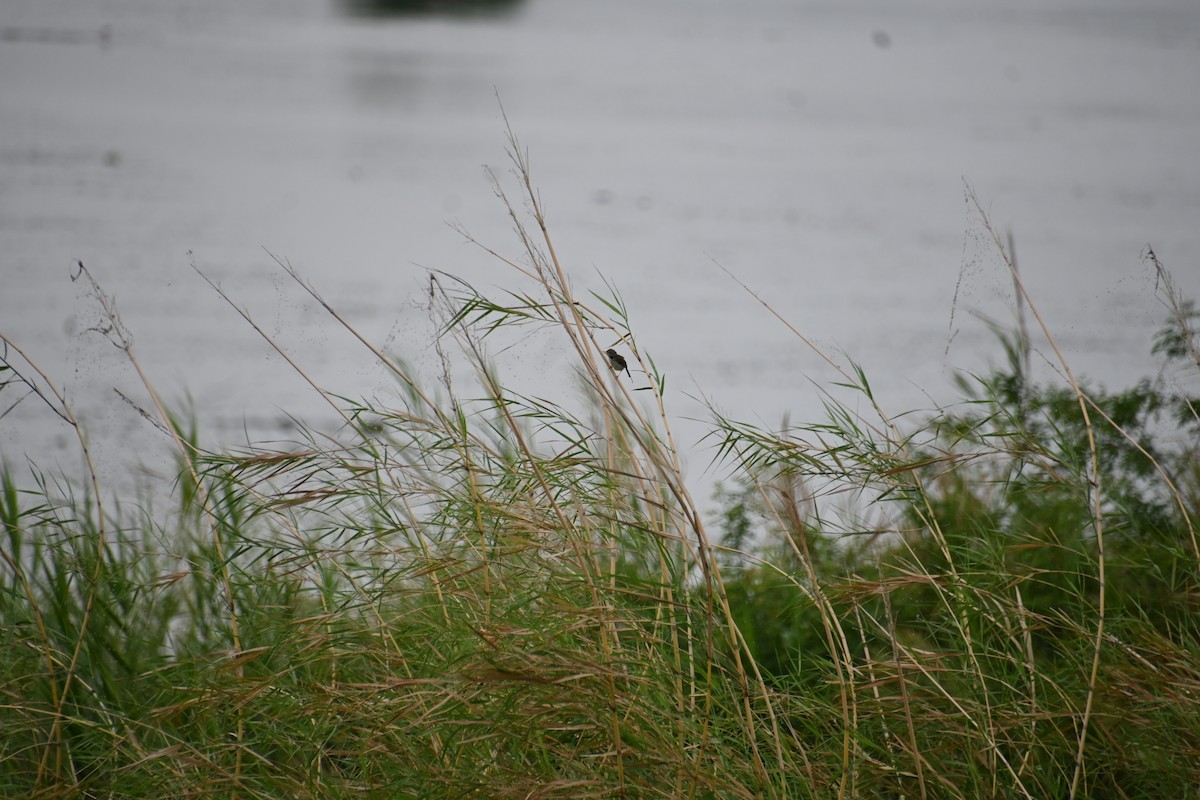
[499, 597]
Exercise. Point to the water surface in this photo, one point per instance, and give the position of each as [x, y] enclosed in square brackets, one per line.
[819, 151]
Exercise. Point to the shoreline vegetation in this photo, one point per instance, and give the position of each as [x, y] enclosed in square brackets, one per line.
[499, 597]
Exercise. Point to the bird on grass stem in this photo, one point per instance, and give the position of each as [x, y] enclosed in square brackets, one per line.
[617, 362]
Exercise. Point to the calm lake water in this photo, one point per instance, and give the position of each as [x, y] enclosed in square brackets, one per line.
[819, 151]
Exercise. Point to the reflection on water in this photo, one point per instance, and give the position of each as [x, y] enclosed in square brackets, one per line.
[406, 8]
[46, 35]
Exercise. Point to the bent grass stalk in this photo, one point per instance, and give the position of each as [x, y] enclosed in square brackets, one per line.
[1094, 482]
[54, 398]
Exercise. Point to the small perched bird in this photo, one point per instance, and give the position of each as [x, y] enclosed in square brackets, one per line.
[617, 361]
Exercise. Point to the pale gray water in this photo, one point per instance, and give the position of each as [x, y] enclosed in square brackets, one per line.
[817, 150]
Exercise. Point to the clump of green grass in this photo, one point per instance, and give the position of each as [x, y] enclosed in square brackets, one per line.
[502, 597]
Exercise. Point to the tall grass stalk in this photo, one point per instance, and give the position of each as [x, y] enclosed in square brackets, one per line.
[469, 591]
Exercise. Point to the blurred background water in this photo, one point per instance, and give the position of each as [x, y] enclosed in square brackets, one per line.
[819, 151]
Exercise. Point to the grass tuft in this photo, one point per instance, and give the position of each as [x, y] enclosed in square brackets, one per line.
[471, 592]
